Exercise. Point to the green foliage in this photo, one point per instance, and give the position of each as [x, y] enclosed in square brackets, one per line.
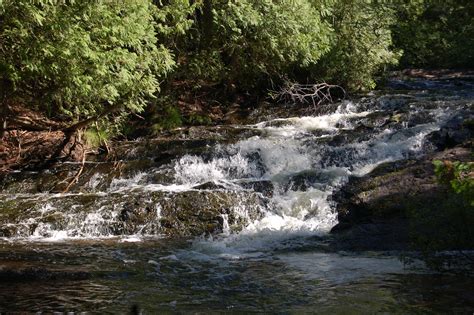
[205, 65]
[196, 119]
[249, 42]
[103, 130]
[436, 34]
[82, 57]
[361, 45]
[458, 176]
[173, 18]
[246, 41]
[86, 58]
[95, 137]
[168, 117]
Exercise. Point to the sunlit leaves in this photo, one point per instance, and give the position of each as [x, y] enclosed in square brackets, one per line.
[81, 57]
[259, 39]
[362, 43]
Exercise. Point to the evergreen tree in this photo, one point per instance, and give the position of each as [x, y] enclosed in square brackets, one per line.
[81, 58]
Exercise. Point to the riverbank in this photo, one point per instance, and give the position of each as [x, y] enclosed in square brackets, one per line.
[33, 142]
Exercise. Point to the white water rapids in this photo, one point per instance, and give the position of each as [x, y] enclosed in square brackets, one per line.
[287, 149]
[301, 160]
[261, 200]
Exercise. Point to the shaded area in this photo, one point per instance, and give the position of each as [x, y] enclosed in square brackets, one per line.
[162, 276]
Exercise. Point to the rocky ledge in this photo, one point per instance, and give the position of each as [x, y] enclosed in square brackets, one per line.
[178, 214]
[372, 210]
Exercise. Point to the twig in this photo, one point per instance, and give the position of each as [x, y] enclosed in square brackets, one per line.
[138, 116]
[19, 150]
[118, 166]
[19, 135]
[107, 148]
[314, 94]
[78, 174]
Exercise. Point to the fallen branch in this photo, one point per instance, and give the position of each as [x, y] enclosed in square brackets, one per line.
[315, 94]
[78, 174]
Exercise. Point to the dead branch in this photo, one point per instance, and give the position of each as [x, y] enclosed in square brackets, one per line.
[19, 136]
[78, 174]
[118, 167]
[315, 94]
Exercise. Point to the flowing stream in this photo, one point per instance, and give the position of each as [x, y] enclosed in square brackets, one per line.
[269, 186]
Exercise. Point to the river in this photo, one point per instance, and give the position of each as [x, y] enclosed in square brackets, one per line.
[266, 188]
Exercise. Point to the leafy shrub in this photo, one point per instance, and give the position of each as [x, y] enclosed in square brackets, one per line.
[168, 117]
[458, 176]
[243, 42]
[81, 58]
[435, 34]
[196, 119]
[361, 45]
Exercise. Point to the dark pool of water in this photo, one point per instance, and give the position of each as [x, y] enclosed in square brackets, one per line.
[159, 275]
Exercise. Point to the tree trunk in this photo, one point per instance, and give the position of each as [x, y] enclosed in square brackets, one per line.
[206, 21]
[3, 108]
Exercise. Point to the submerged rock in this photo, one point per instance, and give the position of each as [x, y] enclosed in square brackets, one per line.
[265, 187]
[41, 274]
[209, 186]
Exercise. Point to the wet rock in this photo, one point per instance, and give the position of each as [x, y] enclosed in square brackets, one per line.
[184, 214]
[394, 102]
[17, 183]
[265, 187]
[380, 236]
[173, 144]
[161, 150]
[9, 230]
[376, 119]
[458, 130]
[209, 186]
[95, 176]
[256, 159]
[197, 212]
[35, 274]
[359, 133]
[375, 206]
[418, 118]
[164, 158]
[304, 180]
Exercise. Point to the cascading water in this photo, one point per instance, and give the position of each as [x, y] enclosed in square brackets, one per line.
[244, 203]
[298, 162]
[296, 155]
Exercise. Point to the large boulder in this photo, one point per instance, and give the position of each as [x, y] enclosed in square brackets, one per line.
[372, 210]
[457, 130]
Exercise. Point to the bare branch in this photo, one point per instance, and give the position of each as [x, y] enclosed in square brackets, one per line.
[315, 94]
